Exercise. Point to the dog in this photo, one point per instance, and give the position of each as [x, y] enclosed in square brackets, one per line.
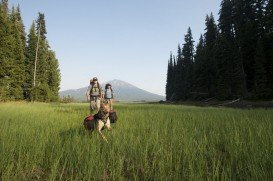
[101, 120]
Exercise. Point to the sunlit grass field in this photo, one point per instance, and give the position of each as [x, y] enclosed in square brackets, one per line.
[41, 141]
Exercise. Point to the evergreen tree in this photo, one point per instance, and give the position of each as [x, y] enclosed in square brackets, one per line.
[21, 27]
[54, 77]
[172, 75]
[261, 89]
[41, 26]
[179, 76]
[42, 89]
[29, 63]
[210, 41]
[200, 72]
[230, 76]
[18, 76]
[168, 84]
[246, 37]
[187, 67]
[3, 60]
[224, 68]
[7, 55]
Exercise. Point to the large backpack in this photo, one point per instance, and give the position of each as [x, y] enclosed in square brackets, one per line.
[89, 123]
[113, 116]
[92, 87]
[105, 94]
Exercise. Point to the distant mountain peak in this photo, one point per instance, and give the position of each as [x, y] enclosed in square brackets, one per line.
[123, 91]
[119, 83]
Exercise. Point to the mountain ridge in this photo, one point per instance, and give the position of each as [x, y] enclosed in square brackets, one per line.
[123, 91]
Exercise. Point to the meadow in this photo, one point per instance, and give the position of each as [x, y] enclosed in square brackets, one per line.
[40, 141]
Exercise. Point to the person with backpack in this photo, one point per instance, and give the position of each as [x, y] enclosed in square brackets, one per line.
[109, 95]
[94, 94]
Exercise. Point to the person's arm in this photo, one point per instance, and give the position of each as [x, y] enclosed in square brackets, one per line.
[88, 93]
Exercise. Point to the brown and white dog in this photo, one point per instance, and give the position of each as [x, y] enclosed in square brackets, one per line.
[102, 119]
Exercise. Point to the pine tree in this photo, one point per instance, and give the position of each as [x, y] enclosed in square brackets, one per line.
[168, 83]
[54, 76]
[265, 61]
[230, 78]
[18, 76]
[224, 68]
[246, 33]
[261, 89]
[42, 88]
[7, 56]
[200, 72]
[210, 40]
[225, 57]
[172, 76]
[41, 26]
[21, 26]
[188, 56]
[3, 60]
[179, 76]
[29, 63]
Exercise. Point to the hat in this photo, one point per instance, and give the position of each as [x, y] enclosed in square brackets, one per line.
[95, 79]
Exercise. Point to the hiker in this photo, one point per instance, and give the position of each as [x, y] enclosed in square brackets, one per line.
[94, 94]
[109, 95]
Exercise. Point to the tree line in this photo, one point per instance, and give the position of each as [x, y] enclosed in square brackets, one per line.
[18, 55]
[233, 59]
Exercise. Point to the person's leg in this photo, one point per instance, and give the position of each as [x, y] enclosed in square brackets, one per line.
[98, 103]
[91, 107]
[111, 104]
[92, 104]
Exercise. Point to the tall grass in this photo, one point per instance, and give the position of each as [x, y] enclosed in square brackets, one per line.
[162, 142]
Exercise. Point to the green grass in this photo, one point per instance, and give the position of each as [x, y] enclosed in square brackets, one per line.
[162, 142]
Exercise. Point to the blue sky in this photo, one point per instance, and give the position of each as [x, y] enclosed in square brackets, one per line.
[117, 39]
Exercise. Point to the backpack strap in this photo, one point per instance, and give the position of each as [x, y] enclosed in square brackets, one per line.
[92, 86]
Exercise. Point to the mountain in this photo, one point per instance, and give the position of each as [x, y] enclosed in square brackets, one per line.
[123, 91]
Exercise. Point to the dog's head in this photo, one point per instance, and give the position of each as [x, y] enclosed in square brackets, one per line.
[105, 106]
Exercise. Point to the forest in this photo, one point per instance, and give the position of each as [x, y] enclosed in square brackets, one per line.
[233, 58]
[19, 52]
